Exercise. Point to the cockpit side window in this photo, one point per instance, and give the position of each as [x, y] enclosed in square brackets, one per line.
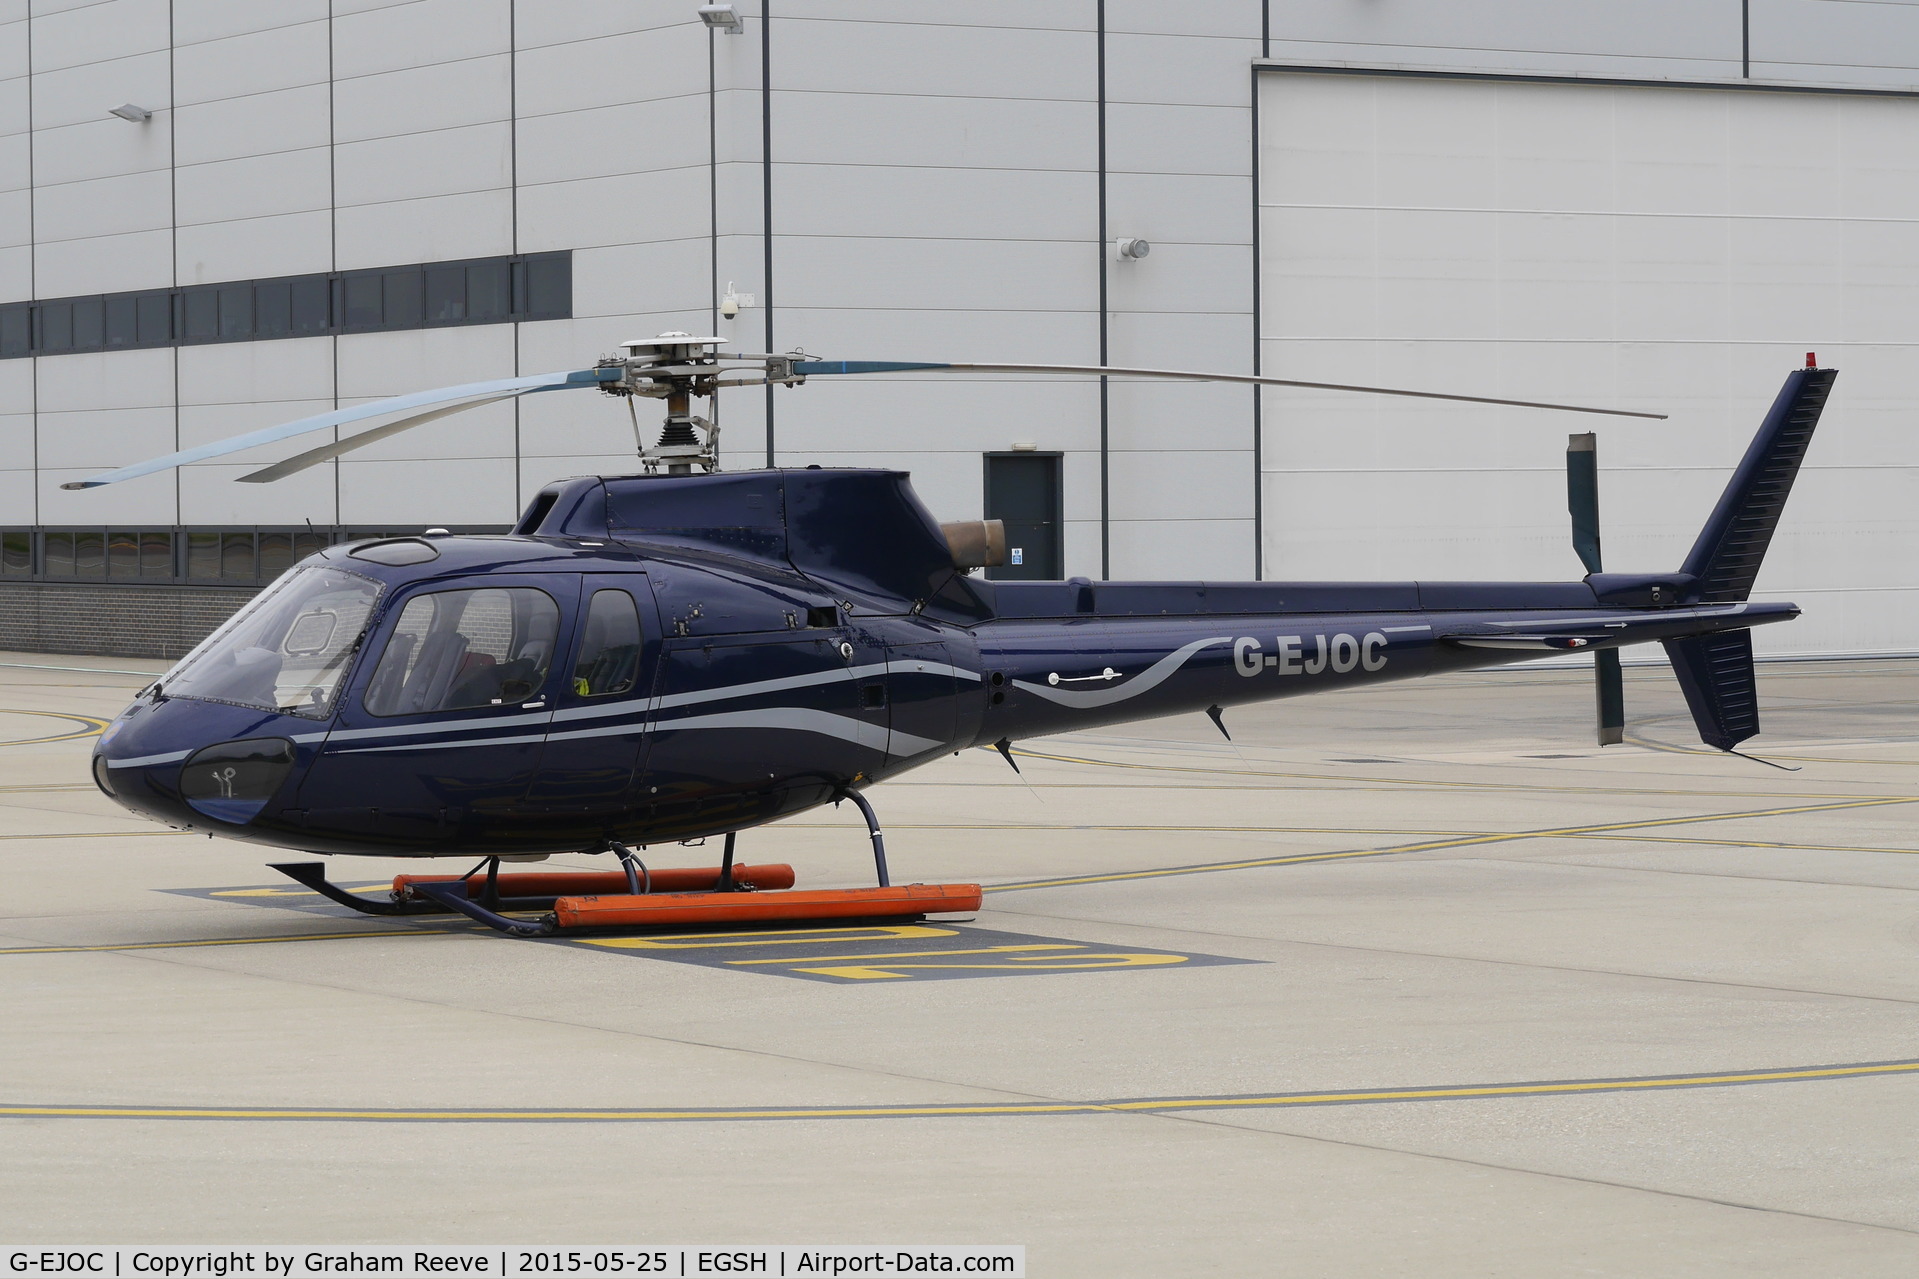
[456, 650]
[609, 659]
[287, 650]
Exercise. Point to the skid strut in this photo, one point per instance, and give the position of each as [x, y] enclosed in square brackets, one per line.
[535, 890]
[873, 828]
[728, 895]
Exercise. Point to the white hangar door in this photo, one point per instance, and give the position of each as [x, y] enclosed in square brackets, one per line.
[1672, 249]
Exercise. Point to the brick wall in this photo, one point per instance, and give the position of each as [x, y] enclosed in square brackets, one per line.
[113, 620]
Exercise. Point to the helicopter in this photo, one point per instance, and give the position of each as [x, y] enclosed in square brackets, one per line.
[688, 652]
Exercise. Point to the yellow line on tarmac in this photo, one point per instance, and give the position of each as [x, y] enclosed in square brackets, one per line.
[1444, 1092]
[216, 941]
[1496, 837]
[95, 834]
[1749, 843]
[913, 954]
[1360, 781]
[94, 727]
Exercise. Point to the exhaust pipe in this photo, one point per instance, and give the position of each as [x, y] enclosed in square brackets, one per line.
[976, 543]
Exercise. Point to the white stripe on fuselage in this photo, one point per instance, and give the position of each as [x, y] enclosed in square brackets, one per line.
[1150, 678]
[630, 706]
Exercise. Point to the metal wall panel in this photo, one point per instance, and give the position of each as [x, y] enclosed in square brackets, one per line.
[1671, 249]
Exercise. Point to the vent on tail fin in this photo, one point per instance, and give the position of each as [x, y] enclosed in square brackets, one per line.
[1715, 672]
[1727, 556]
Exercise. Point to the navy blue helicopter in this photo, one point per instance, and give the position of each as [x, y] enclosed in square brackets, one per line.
[662, 657]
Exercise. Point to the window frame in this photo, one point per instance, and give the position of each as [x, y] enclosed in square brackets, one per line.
[592, 594]
[293, 306]
[388, 625]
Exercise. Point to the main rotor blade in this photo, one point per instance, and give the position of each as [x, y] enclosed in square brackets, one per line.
[498, 388]
[814, 367]
[327, 452]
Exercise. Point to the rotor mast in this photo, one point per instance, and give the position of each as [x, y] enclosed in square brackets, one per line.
[675, 367]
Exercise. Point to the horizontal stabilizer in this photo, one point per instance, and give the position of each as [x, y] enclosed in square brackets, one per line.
[1715, 672]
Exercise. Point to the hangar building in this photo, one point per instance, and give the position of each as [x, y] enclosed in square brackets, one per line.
[1657, 204]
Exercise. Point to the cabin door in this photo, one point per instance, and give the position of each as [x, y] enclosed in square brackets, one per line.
[441, 733]
[598, 733]
[748, 726]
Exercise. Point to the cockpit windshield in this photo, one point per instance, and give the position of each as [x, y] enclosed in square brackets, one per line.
[287, 650]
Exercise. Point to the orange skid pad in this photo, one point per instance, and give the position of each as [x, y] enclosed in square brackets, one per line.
[560, 883]
[682, 909]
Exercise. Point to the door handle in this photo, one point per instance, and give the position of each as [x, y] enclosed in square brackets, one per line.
[534, 706]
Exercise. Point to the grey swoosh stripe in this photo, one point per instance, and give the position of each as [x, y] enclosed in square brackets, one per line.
[167, 758]
[792, 718]
[439, 726]
[443, 746]
[1150, 678]
[609, 730]
[630, 706]
[803, 720]
[170, 756]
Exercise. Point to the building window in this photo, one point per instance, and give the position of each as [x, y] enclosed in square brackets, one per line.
[535, 286]
[123, 554]
[90, 554]
[123, 322]
[16, 331]
[192, 556]
[89, 324]
[16, 553]
[156, 555]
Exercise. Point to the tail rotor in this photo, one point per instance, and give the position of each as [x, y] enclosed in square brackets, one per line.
[1582, 500]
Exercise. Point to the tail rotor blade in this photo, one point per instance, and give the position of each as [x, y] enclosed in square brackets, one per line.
[1582, 500]
[1582, 496]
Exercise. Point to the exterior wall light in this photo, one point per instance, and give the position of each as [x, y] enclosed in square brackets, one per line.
[721, 17]
[127, 111]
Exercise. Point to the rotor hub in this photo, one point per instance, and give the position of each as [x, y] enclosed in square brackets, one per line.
[675, 367]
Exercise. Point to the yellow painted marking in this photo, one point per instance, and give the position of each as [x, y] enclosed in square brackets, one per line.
[97, 834]
[906, 954]
[1652, 1083]
[215, 941]
[297, 892]
[94, 727]
[1749, 843]
[1058, 963]
[768, 937]
[1437, 844]
[1634, 739]
[1360, 781]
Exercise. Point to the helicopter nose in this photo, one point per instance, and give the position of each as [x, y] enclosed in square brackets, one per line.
[232, 781]
[186, 762]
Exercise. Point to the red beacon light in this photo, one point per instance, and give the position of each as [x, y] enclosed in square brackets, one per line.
[1812, 360]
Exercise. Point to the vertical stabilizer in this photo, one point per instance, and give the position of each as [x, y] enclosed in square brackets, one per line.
[1715, 672]
[1727, 556]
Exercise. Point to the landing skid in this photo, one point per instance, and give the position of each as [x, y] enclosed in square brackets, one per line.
[637, 897]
